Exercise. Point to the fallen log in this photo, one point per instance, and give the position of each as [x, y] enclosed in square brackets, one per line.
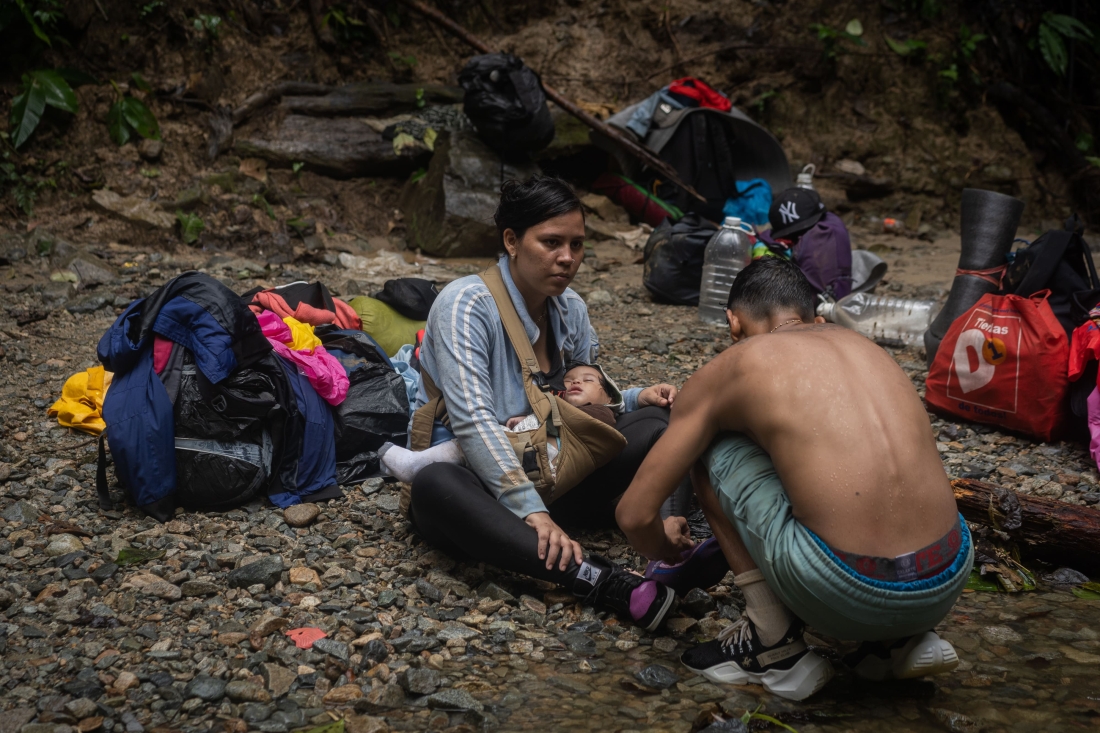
[373, 98]
[1046, 529]
[352, 99]
[341, 147]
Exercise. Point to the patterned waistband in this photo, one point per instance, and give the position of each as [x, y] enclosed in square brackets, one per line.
[923, 563]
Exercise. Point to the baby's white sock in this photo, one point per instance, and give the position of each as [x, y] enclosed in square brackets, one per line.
[404, 464]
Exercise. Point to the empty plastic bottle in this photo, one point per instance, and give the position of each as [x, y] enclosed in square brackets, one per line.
[888, 321]
[728, 252]
[806, 177]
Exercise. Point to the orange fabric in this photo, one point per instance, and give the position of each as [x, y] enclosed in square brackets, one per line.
[344, 317]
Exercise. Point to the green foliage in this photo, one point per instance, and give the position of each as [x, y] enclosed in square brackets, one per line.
[748, 717]
[1054, 30]
[420, 101]
[345, 27]
[150, 8]
[191, 227]
[968, 42]
[409, 60]
[128, 117]
[829, 37]
[854, 27]
[136, 556]
[1084, 142]
[1093, 160]
[905, 48]
[761, 102]
[42, 16]
[926, 9]
[211, 25]
[22, 187]
[41, 88]
[417, 175]
[258, 198]
[140, 83]
[297, 167]
[1088, 591]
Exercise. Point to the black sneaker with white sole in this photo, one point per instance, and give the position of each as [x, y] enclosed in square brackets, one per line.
[913, 656]
[602, 583]
[787, 668]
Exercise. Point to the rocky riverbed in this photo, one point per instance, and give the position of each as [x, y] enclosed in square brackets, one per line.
[114, 623]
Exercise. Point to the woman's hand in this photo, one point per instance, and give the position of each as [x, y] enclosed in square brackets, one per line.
[552, 541]
[678, 539]
[514, 421]
[659, 395]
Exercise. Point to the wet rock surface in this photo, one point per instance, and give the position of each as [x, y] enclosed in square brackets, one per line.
[194, 637]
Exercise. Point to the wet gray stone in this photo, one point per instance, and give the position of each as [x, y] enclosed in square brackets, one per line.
[244, 691]
[428, 591]
[333, 648]
[204, 687]
[730, 725]
[577, 642]
[104, 572]
[386, 598]
[87, 305]
[81, 708]
[494, 592]
[21, 511]
[657, 676]
[376, 650]
[194, 588]
[265, 571]
[698, 603]
[420, 681]
[454, 699]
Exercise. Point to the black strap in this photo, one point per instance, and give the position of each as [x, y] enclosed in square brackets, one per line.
[1088, 261]
[105, 502]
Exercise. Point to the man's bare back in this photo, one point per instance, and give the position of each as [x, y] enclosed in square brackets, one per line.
[847, 433]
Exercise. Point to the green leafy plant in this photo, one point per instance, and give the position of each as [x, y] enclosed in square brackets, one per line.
[297, 167]
[908, 47]
[757, 715]
[42, 16]
[830, 37]
[41, 88]
[968, 42]
[150, 8]
[1054, 30]
[191, 227]
[258, 198]
[409, 60]
[129, 117]
[420, 101]
[211, 25]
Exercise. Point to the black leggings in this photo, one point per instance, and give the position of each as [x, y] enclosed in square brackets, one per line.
[454, 512]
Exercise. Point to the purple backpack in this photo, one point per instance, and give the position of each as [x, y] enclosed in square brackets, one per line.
[824, 254]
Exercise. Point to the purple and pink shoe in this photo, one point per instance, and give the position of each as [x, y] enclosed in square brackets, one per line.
[702, 566]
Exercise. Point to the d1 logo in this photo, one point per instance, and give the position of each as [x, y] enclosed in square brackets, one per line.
[973, 373]
[994, 351]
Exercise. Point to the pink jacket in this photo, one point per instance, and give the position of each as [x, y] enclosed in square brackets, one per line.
[321, 368]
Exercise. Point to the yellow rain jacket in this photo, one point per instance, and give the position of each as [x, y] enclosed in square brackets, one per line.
[81, 403]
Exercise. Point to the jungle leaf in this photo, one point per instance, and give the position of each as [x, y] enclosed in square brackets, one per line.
[136, 556]
[26, 111]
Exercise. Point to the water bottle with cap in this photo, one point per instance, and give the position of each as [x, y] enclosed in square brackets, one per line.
[728, 252]
[805, 179]
[885, 320]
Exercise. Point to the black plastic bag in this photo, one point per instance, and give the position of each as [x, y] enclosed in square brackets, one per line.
[673, 258]
[506, 103]
[225, 436]
[412, 297]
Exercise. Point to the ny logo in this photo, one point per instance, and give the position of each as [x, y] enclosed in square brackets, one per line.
[788, 212]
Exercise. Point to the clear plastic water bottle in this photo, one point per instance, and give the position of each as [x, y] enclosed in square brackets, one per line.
[888, 321]
[806, 177]
[728, 252]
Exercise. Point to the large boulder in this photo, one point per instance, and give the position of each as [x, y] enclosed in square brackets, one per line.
[449, 211]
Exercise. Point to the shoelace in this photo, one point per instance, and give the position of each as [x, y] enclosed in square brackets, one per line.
[610, 587]
[737, 633]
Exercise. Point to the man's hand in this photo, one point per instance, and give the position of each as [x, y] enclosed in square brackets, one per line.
[659, 395]
[678, 539]
[552, 541]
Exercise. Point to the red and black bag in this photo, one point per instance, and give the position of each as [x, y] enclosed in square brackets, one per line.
[1004, 362]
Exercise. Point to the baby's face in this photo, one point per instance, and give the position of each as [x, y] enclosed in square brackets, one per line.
[582, 387]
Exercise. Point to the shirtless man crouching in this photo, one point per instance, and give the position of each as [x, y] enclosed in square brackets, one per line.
[815, 464]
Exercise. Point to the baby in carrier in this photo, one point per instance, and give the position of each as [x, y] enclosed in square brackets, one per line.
[587, 387]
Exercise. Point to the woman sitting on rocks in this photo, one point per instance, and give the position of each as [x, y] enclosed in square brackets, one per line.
[489, 510]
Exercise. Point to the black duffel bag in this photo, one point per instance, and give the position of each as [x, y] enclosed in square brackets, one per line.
[673, 259]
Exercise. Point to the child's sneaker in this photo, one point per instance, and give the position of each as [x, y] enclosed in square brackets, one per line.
[914, 656]
[603, 583]
[787, 668]
[702, 566]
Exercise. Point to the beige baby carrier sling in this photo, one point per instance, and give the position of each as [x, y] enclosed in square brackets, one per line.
[585, 442]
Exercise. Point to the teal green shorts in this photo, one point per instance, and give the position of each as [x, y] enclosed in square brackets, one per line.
[812, 582]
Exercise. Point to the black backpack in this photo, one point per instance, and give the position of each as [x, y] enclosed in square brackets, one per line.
[673, 259]
[1059, 261]
[505, 101]
[412, 297]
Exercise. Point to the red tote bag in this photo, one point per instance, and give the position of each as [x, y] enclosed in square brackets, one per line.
[1004, 362]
